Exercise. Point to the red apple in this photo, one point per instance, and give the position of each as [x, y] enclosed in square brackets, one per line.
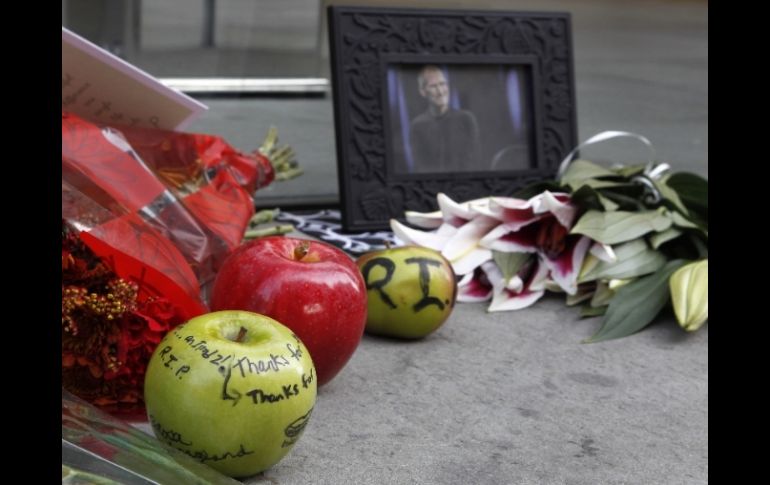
[311, 287]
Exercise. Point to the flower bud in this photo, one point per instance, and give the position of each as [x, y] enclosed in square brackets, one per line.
[690, 294]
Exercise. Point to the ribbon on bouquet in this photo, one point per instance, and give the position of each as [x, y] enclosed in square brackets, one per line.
[652, 171]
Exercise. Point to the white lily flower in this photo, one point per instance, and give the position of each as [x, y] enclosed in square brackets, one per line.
[469, 232]
[532, 290]
[427, 220]
[420, 238]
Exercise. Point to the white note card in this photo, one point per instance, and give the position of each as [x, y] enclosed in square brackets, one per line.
[100, 87]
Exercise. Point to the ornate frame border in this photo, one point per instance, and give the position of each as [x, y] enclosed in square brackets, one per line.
[364, 41]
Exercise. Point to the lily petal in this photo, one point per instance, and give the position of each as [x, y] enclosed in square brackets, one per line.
[508, 238]
[539, 279]
[420, 238]
[508, 300]
[511, 203]
[533, 289]
[494, 275]
[471, 260]
[604, 252]
[467, 237]
[427, 220]
[453, 210]
[446, 230]
[557, 204]
[515, 212]
[479, 206]
[515, 284]
[565, 267]
[474, 287]
[615, 284]
[483, 208]
[454, 213]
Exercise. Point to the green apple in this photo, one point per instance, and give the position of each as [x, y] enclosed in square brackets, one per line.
[411, 291]
[232, 389]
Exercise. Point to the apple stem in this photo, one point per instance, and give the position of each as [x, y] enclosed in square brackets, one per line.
[241, 335]
[387, 244]
[301, 250]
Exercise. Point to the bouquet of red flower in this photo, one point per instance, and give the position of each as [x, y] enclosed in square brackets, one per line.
[148, 216]
[109, 330]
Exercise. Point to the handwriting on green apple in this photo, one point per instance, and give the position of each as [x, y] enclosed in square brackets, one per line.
[242, 365]
[174, 438]
[294, 430]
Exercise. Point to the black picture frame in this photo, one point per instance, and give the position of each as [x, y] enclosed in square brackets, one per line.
[375, 51]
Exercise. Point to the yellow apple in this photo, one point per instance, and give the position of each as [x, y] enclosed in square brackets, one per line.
[411, 291]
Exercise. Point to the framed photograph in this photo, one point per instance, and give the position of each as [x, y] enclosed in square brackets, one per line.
[468, 103]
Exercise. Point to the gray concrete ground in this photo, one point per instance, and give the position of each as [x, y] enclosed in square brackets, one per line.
[514, 397]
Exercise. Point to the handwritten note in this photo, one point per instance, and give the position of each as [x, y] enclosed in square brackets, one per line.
[101, 87]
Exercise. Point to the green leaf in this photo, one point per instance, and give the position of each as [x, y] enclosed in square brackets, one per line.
[693, 190]
[700, 245]
[692, 245]
[510, 263]
[682, 221]
[602, 296]
[587, 311]
[608, 204]
[584, 292]
[669, 194]
[620, 226]
[623, 199]
[634, 259]
[587, 198]
[660, 238]
[636, 304]
[629, 171]
[538, 188]
[686, 223]
[579, 171]
[600, 184]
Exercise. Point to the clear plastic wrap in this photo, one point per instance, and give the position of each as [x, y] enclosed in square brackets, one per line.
[148, 216]
[98, 448]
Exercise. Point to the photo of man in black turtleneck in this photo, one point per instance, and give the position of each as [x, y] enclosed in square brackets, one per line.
[442, 139]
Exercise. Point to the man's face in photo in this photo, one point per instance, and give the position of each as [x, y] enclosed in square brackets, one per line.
[435, 89]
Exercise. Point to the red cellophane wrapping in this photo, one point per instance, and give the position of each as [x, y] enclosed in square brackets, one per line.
[148, 217]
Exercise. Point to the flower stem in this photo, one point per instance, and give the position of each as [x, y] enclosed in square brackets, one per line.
[268, 231]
